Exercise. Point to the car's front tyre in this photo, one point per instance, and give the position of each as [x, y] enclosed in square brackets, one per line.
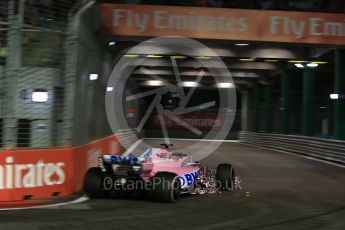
[225, 177]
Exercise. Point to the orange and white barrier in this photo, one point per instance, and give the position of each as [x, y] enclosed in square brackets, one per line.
[45, 173]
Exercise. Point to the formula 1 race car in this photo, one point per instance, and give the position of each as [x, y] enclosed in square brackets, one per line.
[159, 173]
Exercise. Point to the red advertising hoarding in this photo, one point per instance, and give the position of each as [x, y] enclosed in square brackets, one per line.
[202, 122]
[35, 173]
[45, 173]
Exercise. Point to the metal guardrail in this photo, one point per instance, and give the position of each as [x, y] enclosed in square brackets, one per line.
[323, 149]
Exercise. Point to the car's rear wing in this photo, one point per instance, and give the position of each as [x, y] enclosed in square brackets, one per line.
[121, 160]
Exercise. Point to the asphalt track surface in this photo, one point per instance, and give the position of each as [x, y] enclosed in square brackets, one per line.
[280, 191]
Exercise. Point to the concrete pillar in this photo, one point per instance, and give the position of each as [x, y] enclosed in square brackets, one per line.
[269, 108]
[73, 72]
[286, 102]
[256, 107]
[244, 111]
[308, 102]
[339, 88]
[13, 64]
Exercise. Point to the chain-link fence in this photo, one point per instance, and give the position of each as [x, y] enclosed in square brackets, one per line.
[4, 25]
[34, 38]
[89, 64]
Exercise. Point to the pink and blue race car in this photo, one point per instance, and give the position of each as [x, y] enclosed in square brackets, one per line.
[159, 173]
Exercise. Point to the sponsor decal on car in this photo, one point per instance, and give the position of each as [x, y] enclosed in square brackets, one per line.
[188, 179]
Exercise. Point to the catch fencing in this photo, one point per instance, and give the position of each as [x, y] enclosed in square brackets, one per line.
[48, 49]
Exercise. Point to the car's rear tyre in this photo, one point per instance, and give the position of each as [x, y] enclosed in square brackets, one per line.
[225, 177]
[97, 184]
[166, 187]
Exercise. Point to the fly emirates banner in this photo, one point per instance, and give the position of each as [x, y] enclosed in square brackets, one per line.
[223, 23]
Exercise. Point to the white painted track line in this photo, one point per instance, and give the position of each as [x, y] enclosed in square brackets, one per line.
[204, 140]
[76, 201]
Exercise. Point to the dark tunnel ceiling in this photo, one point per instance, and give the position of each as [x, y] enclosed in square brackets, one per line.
[269, 59]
